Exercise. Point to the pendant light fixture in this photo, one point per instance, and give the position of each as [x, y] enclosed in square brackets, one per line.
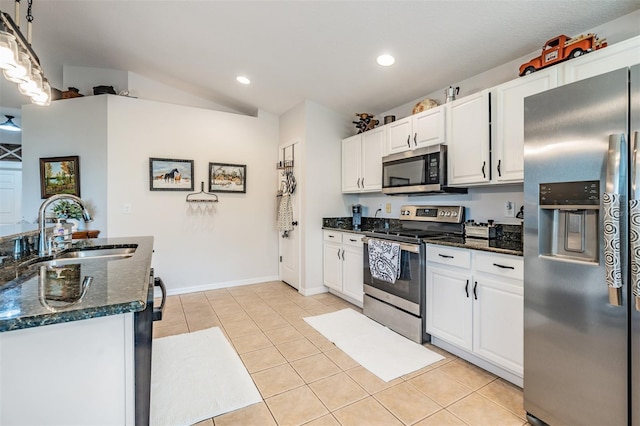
[10, 125]
[18, 62]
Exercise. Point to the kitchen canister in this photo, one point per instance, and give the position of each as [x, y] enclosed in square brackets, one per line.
[389, 119]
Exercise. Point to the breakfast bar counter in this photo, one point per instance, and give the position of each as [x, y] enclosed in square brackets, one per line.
[76, 333]
[48, 293]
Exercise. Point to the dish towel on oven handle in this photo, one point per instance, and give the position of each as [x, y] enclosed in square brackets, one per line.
[384, 260]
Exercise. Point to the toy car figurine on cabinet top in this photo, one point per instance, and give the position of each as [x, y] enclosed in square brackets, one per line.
[560, 49]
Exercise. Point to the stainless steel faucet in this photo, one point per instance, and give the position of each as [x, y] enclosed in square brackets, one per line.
[42, 241]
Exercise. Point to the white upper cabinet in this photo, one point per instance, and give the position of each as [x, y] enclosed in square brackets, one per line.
[362, 161]
[468, 139]
[508, 124]
[351, 164]
[419, 130]
[613, 57]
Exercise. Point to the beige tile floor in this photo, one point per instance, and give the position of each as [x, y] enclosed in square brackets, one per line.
[305, 379]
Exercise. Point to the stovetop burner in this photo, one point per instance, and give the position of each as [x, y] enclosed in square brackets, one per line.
[418, 222]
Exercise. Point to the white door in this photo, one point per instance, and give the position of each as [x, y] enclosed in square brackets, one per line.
[10, 194]
[289, 246]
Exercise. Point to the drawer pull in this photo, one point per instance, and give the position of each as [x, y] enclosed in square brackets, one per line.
[352, 240]
[446, 256]
[503, 266]
[331, 236]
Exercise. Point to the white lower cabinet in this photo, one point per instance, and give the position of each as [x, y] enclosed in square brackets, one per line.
[342, 264]
[475, 302]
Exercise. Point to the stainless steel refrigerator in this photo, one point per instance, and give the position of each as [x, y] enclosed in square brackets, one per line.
[581, 313]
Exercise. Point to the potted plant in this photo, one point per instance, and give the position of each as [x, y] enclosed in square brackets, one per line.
[68, 211]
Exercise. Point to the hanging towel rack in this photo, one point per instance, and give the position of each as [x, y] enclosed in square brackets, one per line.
[202, 196]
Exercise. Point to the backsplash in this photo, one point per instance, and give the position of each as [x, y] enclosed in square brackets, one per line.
[368, 223]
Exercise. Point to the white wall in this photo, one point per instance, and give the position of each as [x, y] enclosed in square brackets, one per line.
[115, 137]
[86, 78]
[325, 129]
[67, 127]
[319, 131]
[236, 243]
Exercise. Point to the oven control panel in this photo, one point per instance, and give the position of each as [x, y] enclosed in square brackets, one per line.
[446, 214]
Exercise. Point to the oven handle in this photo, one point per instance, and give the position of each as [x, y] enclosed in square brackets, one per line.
[414, 248]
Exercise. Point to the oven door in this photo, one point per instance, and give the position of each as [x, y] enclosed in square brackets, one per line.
[406, 292]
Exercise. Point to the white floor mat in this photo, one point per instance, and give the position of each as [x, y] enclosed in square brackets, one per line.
[383, 352]
[197, 376]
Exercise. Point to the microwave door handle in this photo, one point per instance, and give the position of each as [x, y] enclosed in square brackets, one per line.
[611, 220]
[634, 221]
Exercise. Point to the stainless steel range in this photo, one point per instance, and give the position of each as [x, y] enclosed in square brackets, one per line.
[397, 300]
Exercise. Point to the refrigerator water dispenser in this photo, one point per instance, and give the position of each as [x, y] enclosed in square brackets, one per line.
[569, 214]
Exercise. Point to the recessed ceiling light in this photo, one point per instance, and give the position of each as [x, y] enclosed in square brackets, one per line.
[385, 60]
[242, 79]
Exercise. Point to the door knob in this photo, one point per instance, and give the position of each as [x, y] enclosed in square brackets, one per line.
[294, 223]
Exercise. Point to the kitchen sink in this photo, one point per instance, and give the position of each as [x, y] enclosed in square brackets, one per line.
[97, 252]
[77, 254]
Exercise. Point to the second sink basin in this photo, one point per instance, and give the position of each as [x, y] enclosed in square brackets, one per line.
[97, 252]
[77, 254]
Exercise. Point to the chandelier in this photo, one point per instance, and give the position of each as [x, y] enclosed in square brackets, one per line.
[18, 62]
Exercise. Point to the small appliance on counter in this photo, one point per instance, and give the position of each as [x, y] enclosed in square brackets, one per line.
[486, 231]
[356, 211]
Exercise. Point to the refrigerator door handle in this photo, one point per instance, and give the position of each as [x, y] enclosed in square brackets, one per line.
[611, 220]
[634, 222]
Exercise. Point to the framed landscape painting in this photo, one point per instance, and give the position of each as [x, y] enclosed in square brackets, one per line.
[59, 175]
[167, 174]
[225, 177]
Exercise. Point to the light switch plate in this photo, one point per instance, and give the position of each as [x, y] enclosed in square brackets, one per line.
[509, 209]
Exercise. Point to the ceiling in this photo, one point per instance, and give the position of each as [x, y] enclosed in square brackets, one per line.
[324, 51]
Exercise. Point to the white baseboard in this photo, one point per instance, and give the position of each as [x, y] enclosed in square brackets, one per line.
[216, 286]
[313, 291]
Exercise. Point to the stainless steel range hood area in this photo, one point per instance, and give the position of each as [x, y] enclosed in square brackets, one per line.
[421, 171]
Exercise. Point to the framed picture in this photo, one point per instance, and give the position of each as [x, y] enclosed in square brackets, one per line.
[227, 177]
[167, 174]
[59, 175]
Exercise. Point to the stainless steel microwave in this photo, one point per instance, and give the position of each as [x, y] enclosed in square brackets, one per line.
[420, 171]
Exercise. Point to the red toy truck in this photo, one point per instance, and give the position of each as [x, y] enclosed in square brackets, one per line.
[560, 49]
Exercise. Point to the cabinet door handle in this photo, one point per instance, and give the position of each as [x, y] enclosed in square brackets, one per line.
[503, 266]
[499, 173]
[415, 139]
[475, 287]
[358, 182]
[362, 183]
[466, 289]
[409, 141]
[342, 254]
[446, 256]
[484, 175]
[338, 254]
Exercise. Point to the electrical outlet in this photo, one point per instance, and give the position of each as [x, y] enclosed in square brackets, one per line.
[509, 209]
[126, 208]
[380, 207]
[388, 208]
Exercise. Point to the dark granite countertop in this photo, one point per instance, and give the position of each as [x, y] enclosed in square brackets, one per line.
[42, 295]
[510, 241]
[497, 245]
